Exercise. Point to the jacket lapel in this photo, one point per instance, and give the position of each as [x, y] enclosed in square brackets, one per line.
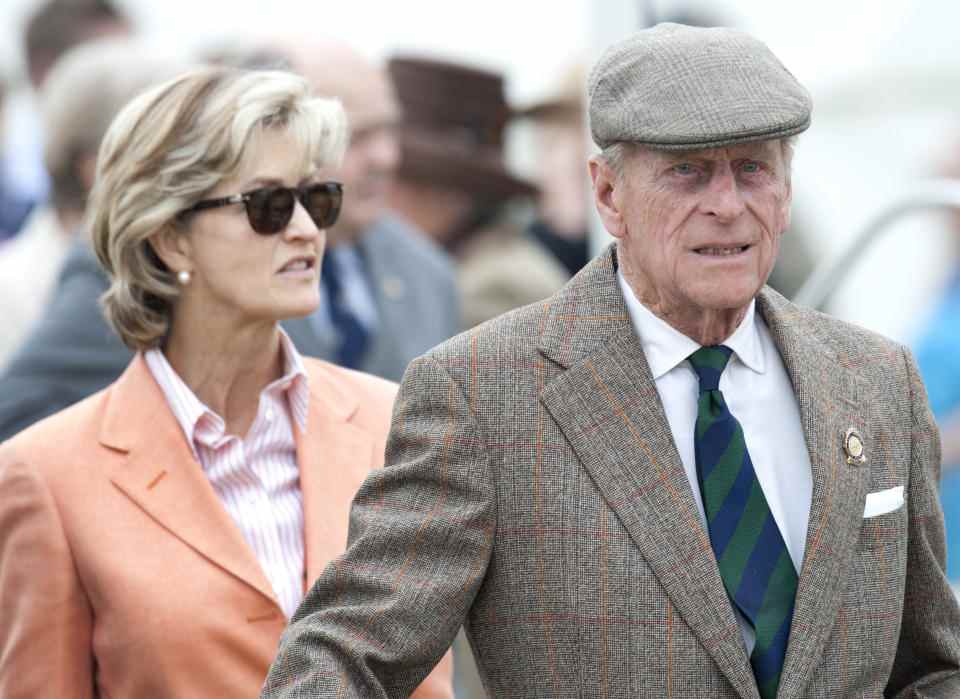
[831, 399]
[335, 457]
[161, 476]
[608, 408]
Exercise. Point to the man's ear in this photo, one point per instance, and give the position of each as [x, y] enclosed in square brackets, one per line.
[605, 184]
[173, 248]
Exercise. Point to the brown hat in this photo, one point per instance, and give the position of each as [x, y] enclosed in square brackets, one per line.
[453, 124]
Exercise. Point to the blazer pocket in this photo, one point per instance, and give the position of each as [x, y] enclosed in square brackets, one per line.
[884, 528]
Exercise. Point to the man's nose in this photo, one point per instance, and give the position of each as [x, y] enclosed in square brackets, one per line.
[723, 198]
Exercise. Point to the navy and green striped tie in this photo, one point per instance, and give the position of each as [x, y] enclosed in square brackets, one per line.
[754, 562]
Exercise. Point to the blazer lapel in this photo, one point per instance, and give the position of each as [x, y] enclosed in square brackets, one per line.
[161, 476]
[607, 406]
[830, 397]
[335, 457]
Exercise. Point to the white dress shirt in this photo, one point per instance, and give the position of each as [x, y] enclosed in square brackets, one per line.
[758, 391]
[256, 476]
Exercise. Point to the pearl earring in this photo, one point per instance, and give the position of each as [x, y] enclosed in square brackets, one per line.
[183, 276]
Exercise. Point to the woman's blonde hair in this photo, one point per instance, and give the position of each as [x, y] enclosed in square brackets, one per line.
[166, 150]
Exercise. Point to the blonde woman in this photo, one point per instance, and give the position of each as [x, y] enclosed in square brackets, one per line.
[156, 537]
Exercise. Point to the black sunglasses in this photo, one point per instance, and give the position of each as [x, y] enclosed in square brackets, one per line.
[269, 209]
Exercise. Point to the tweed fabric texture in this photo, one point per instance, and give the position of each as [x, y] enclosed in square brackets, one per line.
[534, 493]
[674, 87]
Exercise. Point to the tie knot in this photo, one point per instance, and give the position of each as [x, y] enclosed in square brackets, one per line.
[709, 363]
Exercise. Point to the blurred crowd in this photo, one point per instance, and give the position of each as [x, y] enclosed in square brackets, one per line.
[437, 232]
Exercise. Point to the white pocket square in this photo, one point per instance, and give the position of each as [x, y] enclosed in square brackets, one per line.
[883, 501]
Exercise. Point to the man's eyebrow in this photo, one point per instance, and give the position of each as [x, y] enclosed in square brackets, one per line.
[683, 156]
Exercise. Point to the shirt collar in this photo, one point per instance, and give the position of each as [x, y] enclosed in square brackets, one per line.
[294, 381]
[665, 347]
[186, 407]
[194, 416]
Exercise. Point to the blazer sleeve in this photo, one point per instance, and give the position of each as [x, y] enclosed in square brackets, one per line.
[927, 663]
[45, 619]
[382, 615]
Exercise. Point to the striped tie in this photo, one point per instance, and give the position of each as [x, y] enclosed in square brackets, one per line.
[754, 563]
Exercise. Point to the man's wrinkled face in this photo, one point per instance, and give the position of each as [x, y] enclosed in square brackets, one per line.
[700, 230]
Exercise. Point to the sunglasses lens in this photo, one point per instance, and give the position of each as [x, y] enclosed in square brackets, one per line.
[270, 209]
[322, 201]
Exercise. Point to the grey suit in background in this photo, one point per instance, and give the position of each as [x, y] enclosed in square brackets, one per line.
[72, 352]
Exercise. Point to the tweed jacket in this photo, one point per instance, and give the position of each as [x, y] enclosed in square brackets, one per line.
[72, 352]
[533, 492]
[121, 572]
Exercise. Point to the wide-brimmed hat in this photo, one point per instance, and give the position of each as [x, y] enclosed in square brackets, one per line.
[451, 135]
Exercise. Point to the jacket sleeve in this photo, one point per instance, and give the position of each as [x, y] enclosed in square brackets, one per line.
[382, 615]
[927, 663]
[45, 619]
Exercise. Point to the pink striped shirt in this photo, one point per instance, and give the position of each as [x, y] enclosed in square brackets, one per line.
[256, 477]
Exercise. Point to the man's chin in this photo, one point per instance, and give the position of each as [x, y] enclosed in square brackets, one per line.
[723, 298]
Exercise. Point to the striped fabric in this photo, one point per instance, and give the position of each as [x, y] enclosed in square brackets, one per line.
[256, 477]
[754, 562]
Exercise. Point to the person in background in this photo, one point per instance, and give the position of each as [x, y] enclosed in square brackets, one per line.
[388, 294]
[453, 184]
[156, 537]
[937, 346]
[560, 151]
[14, 205]
[398, 297]
[52, 29]
[81, 95]
[666, 480]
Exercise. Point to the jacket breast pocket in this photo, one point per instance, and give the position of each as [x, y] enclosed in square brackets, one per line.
[883, 529]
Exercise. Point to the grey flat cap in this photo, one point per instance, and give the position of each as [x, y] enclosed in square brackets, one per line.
[674, 87]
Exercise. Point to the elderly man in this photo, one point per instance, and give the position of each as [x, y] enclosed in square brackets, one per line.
[666, 480]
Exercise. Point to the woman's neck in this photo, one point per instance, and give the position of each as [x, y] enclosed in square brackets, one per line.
[226, 366]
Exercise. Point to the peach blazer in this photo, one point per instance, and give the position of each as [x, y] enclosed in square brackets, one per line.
[122, 575]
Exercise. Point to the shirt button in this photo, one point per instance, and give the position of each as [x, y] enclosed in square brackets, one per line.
[269, 415]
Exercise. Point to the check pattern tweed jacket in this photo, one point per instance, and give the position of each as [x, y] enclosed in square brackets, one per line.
[534, 493]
